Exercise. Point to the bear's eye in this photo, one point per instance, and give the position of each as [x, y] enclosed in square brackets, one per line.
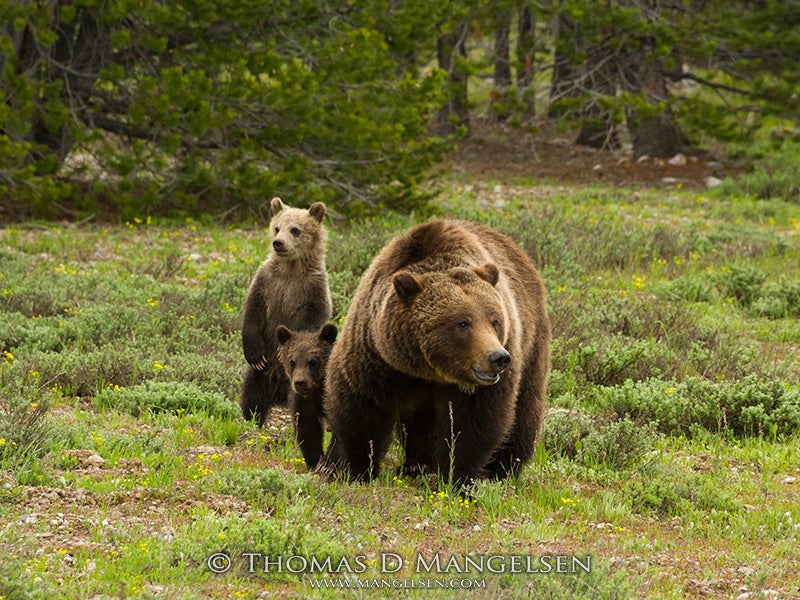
[292, 364]
[313, 363]
[294, 231]
[464, 325]
[496, 325]
[277, 230]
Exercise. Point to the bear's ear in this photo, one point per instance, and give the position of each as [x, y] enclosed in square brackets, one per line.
[406, 285]
[317, 210]
[328, 333]
[284, 334]
[276, 205]
[488, 272]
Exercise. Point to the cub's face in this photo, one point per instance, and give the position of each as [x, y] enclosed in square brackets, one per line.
[459, 323]
[304, 356]
[295, 230]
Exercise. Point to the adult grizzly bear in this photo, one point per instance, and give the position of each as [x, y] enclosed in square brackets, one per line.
[448, 334]
[290, 288]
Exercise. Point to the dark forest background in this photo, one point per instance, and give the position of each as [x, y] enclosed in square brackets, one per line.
[216, 106]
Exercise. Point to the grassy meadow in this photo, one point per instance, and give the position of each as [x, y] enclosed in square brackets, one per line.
[670, 454]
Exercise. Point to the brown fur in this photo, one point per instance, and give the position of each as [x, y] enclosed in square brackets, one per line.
[448, 335]
[290, 288]
[304, 356]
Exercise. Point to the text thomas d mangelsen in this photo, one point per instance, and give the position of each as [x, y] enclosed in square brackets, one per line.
[390, 562]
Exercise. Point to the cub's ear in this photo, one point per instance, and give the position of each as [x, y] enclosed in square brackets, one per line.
[317, 210]
[276, 205]
[328, 333]
[284, 334]
[488, 272]
[406, 285]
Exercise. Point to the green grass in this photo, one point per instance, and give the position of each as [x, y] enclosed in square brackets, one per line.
[666, 457]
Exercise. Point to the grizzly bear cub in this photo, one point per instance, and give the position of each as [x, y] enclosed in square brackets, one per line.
[304, 356]
[447, 336]
[290, 288]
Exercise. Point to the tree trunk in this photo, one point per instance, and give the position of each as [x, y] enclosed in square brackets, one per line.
[656, 136]
[451, 53]
[499, 108]
[80, 51]
[652, 135]
[643, 74]
[525, 55]
[597, 123]
[565, 72]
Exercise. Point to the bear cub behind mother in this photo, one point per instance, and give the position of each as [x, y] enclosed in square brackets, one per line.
[448, 335]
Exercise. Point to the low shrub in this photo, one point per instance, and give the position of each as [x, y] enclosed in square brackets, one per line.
[614, 445]
[779, 300]
[563, 431]
[25, 434]
[746, 407]
[618, 445]
[743, 284]
[775, 176]
[169, 397]
[691, 288]
[662, 488]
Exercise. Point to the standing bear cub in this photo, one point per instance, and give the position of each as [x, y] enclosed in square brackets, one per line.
[290, 288]
[447, 335]
[304, 356]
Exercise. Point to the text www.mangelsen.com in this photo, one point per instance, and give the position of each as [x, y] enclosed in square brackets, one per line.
[348, 583]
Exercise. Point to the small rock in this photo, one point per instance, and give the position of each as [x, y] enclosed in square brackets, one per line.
[86, 459]
[712, 182]
[597, 167]
[94, 460]
[791, 479]
[206, 450]
[154, 588]
[643, 158]
[167, 533]
[679, 160]
[669, 180]
[714, 164]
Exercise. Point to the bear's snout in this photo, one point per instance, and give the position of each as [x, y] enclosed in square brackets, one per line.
[278, 245]
[487, 370]
[303, 386]
[499, 361]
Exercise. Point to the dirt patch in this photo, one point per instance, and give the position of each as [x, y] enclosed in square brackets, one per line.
[500, 152]
[63, 519]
